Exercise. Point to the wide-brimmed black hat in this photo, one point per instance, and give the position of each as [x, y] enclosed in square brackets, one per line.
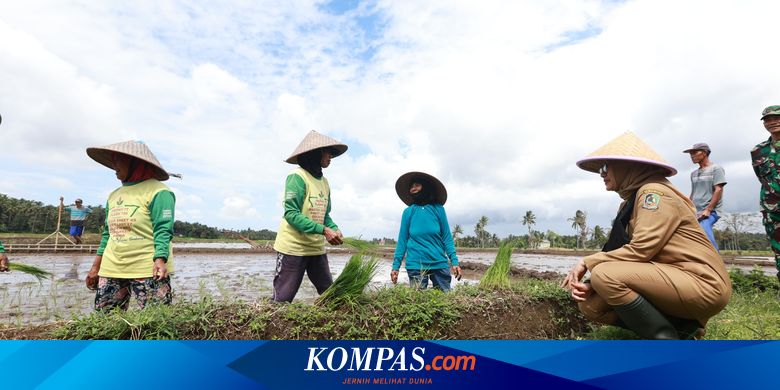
[405, 181]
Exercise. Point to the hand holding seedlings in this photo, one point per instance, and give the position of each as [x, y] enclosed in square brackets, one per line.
[333, 237]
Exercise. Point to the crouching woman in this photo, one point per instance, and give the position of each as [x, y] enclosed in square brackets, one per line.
[658, 275]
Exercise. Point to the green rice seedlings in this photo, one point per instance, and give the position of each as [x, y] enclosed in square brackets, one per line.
[349, 285]
[39, 273]
[497, 276]
[363, 247]
[357, 274]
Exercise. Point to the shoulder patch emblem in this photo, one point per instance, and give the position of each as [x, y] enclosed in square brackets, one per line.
[651, 201]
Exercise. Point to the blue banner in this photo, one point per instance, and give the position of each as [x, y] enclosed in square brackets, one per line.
[424, 364]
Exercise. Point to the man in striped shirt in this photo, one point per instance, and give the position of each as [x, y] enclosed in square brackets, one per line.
[78, 213]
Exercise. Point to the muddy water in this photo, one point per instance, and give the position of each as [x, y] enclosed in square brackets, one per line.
[212, 245]
[246, 277]
[230, 276]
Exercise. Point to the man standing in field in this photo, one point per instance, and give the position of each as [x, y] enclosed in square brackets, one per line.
[78, 213]
[707, 184]
[765, 158]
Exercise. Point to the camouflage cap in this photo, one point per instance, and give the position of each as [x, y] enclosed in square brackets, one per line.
[771, 110]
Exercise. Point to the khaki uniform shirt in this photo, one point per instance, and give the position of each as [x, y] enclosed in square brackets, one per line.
[664, 231]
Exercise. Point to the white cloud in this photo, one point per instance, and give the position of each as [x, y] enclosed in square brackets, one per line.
[237, 207]
[497, 99]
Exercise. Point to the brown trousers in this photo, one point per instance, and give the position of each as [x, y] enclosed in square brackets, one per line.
[671, 290]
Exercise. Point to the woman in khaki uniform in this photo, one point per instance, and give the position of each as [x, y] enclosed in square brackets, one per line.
[658, 274]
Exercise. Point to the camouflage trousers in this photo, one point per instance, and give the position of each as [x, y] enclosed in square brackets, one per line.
[772, 227]
[115, 292]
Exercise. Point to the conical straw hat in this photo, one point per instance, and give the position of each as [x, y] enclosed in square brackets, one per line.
[627, 147]
[405, 181]
[135, 149]
[315, 140]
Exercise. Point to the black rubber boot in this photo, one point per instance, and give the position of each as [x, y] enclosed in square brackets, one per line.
[644, 319]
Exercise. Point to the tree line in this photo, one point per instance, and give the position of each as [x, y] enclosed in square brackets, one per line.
[29, 216]
[583, 237]
[732, 236]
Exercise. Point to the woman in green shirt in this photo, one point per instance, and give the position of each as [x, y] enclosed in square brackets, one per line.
[134, 256]
[300, 243]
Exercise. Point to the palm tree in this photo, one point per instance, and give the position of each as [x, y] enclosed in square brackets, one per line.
[529, 219]
[599, 236]
[456, 231]
[580, 224]
[479, 230]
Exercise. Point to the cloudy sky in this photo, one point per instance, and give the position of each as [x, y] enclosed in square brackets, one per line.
[497, 99]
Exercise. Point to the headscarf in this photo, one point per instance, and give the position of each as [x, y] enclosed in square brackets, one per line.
[311, 161]
[630, 176]
[139, 171]
[425, 195]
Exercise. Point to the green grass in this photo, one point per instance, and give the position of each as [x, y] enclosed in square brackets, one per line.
[752, 313]
[196, 320]
[393, 313]
[753, 281]
[748, 316]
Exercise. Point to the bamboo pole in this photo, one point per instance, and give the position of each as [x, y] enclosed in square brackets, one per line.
[57, 233]
[59, 220]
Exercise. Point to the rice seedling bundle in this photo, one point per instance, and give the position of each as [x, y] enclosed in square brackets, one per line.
[357, 274]
[39, 273]
[349, 286]
[497, 276]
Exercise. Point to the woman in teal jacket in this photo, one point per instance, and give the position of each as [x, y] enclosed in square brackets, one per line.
[424, 238]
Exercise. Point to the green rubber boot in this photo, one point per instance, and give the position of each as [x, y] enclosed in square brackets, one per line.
[687, 329]
[644, 319]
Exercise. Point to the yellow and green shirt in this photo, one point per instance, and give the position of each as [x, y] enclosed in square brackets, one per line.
[2, 249]
[138, 229]
[306, 214]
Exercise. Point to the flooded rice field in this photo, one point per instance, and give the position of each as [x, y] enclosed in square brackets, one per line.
[212, 245]
[246, 277]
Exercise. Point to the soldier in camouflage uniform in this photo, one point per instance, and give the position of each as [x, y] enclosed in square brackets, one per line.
[766, 159]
